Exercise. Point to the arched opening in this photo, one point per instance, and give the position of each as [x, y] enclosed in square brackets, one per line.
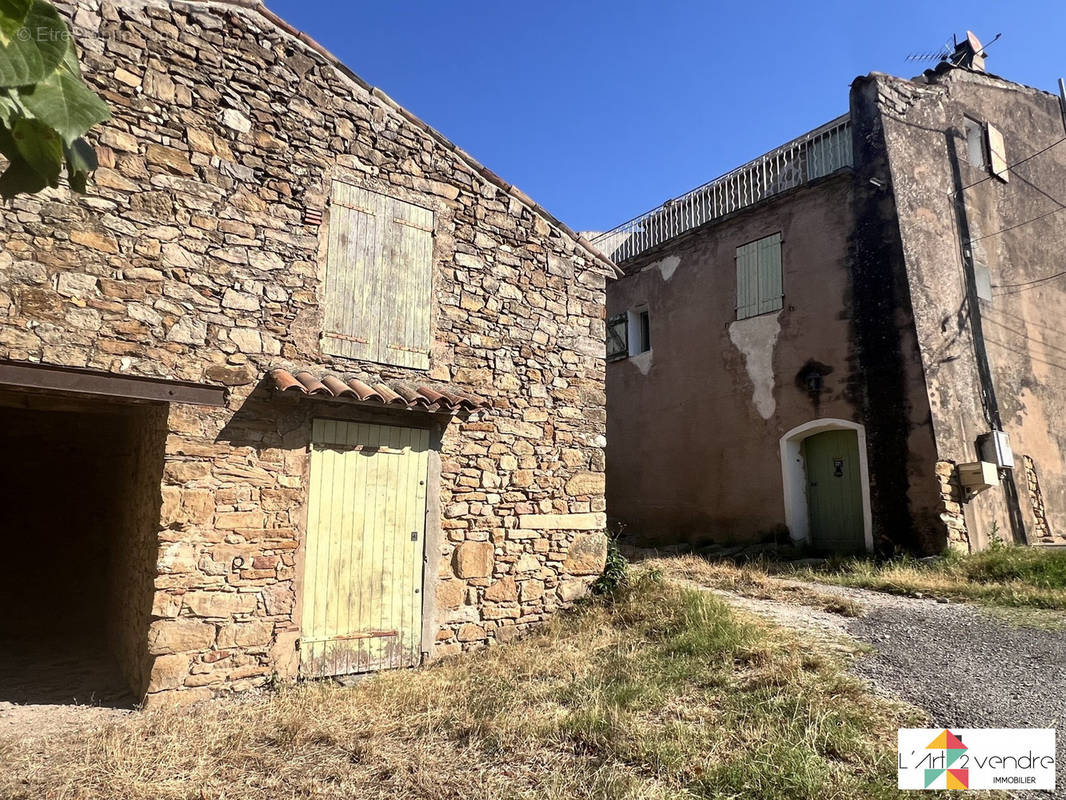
[827, 485]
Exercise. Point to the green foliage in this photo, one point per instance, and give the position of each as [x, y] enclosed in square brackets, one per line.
[615, 571]
[1044, 569]
[45, 107]
[1003, 575]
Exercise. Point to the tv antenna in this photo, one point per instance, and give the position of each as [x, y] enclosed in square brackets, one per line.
[932, 55]
[952, 52]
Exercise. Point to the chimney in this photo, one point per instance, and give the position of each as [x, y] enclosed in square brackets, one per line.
[969, 53]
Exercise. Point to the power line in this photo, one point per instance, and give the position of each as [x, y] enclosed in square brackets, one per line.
[1018, 225]
[1010, 168]
[1034, 282]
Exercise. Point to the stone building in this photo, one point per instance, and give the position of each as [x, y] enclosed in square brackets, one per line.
[826, 344]
[298, 388]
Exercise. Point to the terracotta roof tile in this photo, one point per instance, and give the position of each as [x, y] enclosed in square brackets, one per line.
[447, 400]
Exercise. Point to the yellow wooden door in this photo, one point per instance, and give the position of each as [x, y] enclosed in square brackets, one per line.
[362, 607]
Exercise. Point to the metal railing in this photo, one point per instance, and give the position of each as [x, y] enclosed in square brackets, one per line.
[813, 155]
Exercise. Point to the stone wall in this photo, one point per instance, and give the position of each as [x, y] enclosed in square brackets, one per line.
[953, 498]
[198, 256]
[133, 527]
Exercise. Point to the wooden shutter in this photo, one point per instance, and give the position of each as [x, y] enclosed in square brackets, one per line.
[407, 259]
[770, 274]
[350, 319]
[617, 337]
[997, 154]
[379, 278]
[759, 277]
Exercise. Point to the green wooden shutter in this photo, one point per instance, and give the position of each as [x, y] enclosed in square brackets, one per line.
[407, 256]
[747, 280]
[379, 279]
[350, 318]
[769, 255]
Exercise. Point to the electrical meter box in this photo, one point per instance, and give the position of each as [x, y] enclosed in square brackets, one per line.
[979, 475]
[995, 448]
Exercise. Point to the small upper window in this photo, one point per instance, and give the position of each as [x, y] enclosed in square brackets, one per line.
[984, 148]
[639, 324]
[976, 152]
[629, 334]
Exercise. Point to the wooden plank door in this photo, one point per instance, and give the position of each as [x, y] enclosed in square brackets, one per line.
[834, 491]
[362, 606]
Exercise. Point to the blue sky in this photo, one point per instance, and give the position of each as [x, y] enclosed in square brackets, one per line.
[601, 110]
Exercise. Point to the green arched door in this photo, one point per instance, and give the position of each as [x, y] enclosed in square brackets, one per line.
[834, 491]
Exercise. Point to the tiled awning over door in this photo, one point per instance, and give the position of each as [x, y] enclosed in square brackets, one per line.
[437, 398]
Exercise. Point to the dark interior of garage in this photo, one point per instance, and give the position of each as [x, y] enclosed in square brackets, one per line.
[78, 522]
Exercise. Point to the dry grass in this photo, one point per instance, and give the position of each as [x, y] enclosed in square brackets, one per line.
[662, 693]
[1020, 577]
[753, 581]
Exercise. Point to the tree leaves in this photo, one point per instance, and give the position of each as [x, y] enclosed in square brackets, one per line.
[45, 108]
[40, 147]
[35, 47]
[66, 104]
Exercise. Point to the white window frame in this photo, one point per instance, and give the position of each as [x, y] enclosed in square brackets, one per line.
[638, 339]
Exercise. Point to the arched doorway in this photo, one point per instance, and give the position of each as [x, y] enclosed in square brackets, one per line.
[827, 485]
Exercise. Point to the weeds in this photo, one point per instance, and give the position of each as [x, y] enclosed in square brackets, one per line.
[1004, 575]
[657, 692]
[615, 572]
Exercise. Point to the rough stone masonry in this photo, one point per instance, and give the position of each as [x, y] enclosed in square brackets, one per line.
[198, 255]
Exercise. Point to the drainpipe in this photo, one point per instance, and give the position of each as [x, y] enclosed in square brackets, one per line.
[1062, 101]
[984, 369]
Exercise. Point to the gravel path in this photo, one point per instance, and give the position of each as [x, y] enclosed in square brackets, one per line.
[967, 669]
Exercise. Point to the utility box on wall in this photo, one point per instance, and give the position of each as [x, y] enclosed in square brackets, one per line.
[995, 448]
[978, 475]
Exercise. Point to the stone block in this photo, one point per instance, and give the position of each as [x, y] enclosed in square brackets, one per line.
[180, 635]
[585, 483]
[571, 590]
[563, 522]
[450, 594]
[168, 672]
[473, 560]
[470, 633]
[503, 591]
[587, 554]
[257, 633]
[234, 520]
[279, 599]
[219, 604]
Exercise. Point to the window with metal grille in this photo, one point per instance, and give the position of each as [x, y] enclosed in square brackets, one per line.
[379, 278]
[759, 282]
